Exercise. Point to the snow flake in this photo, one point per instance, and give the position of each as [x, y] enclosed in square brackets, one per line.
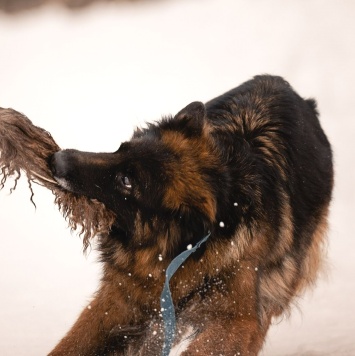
[221, 224]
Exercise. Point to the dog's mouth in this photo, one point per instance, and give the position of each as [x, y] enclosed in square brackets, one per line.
[64, 184]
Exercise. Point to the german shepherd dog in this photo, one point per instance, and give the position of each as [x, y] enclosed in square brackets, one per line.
[253, 169]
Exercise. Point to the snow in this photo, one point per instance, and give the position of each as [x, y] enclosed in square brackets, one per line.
[186, 339]
[91, 76]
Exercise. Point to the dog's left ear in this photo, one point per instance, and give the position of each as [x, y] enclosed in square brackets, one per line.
[192, 117]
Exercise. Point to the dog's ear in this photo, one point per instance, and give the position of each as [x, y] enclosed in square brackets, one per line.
[192, 117]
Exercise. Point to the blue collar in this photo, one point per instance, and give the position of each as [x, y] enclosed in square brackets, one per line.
[166, 302]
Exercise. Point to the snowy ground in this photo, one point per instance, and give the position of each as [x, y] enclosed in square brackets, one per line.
[89, 77]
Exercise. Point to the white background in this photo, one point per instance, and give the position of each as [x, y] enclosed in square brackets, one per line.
[90, 76]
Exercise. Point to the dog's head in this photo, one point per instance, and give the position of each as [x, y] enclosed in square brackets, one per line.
[161, 182]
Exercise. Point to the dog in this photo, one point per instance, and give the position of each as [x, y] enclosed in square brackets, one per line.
[251, 169]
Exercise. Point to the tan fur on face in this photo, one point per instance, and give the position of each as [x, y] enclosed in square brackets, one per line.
[187, 186]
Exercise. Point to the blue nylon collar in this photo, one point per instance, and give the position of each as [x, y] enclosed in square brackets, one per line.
[166, 301]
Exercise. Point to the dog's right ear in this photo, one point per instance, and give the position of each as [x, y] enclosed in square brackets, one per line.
[192, 117]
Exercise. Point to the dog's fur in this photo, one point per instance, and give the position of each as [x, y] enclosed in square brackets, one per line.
[254, 168]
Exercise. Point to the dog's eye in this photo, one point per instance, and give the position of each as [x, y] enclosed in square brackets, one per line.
[126, 182]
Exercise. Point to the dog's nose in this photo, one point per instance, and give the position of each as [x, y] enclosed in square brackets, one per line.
[59, 164]
[62, 167]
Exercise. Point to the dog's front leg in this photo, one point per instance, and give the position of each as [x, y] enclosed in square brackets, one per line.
[227, 321]
[91, 332]
[228, 338]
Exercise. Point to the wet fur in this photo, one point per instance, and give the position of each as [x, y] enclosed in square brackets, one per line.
[255, 159]
[26, 148]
